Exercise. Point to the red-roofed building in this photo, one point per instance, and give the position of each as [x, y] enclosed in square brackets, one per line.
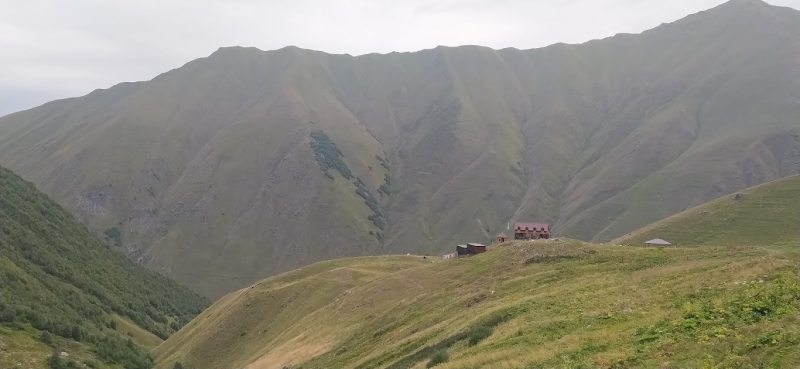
[502, 237]
[531, 231]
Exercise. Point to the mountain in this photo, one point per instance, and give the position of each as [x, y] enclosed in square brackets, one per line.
[248, 163]
[764, 215]
[63, 289]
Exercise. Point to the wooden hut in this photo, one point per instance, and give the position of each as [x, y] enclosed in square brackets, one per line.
[476, 248]
[501, 238]
[470, 249]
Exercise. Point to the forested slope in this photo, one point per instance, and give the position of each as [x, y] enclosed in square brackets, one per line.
[68, 290]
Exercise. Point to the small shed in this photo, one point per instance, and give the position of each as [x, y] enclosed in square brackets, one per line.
[657, 242]
[470, 249]
[476, 248]
[502, 237]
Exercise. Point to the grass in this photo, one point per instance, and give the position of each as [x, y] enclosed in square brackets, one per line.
[288, 297]
[768, 214]
[140, 336]
[21, 347]
[585, 306]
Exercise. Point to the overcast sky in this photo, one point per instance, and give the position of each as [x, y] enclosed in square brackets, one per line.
[53, 49]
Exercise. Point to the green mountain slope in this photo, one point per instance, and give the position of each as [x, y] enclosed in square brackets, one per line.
[248, 163]
[520, 305]
[62, 289]
[768, 214]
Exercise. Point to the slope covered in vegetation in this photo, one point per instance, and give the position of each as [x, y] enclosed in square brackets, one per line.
[63, 289]
[542, 304]
[412, 152]
[768, 214]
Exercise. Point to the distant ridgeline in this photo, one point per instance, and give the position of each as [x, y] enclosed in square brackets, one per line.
[61, 285]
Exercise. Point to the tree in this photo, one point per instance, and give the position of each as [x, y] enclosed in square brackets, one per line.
[46, 338]
[76, 333]
[55, 362]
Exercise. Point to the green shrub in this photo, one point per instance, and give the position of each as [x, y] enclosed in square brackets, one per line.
[115, 235]
[46, 338]
[439, 357]
[328, 155]
[56, 362]
[385, 189]
[479, 333]
[113, 349]
[76, 334]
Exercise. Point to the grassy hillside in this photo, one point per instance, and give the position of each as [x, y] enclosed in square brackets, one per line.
[249, 163]
[62, 289]
[244, 332]
[557, 304]
[768, 214]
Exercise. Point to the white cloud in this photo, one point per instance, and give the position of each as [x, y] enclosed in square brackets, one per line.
[54, 48]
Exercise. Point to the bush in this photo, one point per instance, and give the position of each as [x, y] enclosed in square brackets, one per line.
[116, 350]
[177, 365]
[385, 189]
[377, 221]
[76, 333]
[328, 155]
[115, 235]
[439, 357]
[46, 338]
[479, 333]
[56, 362]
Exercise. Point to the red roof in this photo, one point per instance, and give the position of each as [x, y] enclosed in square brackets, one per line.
[532, 226]
[503, 235]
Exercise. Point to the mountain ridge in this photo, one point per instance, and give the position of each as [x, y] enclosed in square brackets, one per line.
[211, 166]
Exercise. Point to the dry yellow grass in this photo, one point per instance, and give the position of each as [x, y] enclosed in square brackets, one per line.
[140, 336]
